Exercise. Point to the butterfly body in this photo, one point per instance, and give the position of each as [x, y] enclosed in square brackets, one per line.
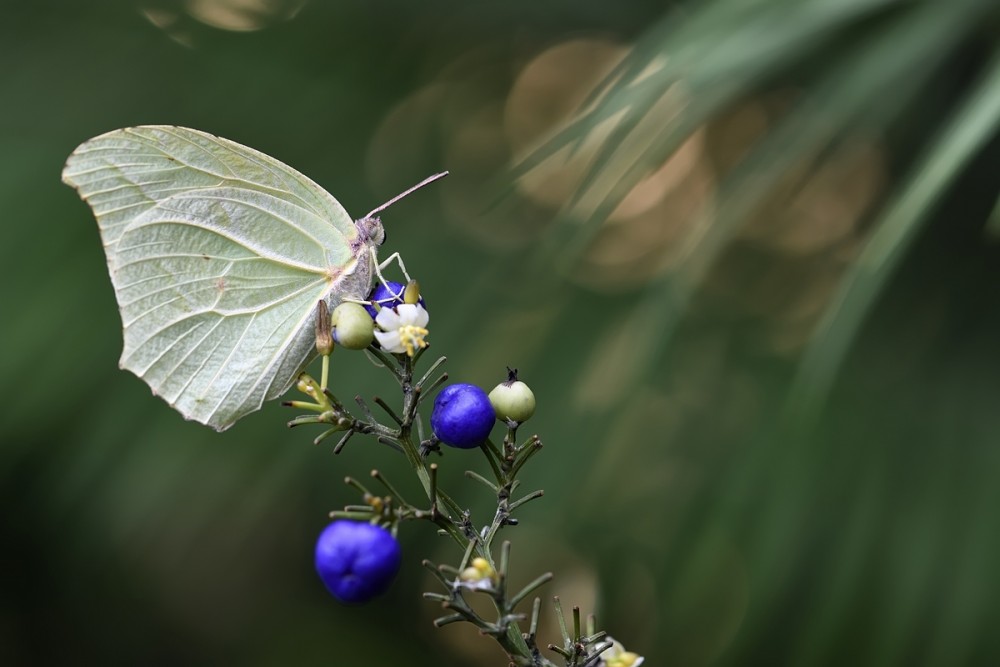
[218, 255]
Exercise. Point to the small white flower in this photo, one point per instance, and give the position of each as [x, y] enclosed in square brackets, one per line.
[483, 584]
[403, 328]
[479, 576]
[617, 656]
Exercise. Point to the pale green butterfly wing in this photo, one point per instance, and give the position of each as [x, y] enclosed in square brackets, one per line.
[218, 255]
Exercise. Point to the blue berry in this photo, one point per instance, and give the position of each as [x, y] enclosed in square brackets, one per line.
[356, 560]
[462, 416]
[386, 296]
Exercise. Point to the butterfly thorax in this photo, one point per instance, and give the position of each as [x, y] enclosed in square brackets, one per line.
[355, 280]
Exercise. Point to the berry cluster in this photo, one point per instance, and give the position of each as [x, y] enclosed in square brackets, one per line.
[357, 561]
[357, 556]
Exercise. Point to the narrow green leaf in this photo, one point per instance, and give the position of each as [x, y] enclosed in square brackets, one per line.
[971, 126]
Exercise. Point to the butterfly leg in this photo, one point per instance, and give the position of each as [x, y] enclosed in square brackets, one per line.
[394, 257]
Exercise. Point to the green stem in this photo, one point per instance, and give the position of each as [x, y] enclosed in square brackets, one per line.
[446, 513]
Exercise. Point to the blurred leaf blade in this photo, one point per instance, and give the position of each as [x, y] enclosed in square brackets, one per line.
[840, 100]
[971, 126]
[722, 51]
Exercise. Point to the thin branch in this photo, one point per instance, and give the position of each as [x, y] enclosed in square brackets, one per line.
[385, 406]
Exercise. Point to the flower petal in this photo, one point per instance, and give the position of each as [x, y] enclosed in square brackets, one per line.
[388, 319]
[414, 314]
[422, 317]
[390, 341]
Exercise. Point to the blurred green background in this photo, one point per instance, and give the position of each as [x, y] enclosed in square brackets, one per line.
[744, 252]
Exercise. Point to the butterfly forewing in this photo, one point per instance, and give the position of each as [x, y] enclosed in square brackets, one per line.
[218, 255]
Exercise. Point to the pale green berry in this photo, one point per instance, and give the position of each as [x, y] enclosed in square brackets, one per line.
[513, 400]
[352, 326]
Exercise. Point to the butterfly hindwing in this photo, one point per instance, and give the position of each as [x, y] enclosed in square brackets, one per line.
[218, 255]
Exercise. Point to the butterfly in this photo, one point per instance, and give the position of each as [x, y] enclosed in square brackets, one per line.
[219, 255]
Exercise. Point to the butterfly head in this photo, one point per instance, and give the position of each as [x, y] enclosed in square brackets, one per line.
[370, 230]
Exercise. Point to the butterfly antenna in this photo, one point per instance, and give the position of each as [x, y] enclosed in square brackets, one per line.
[429, 179]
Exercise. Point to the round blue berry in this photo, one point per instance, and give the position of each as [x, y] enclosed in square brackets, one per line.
[462, 416]
[356, 560]
[386, 296]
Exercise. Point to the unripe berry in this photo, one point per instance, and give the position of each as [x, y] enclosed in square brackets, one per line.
[463, 416]
[513, 400]
[352, 328]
